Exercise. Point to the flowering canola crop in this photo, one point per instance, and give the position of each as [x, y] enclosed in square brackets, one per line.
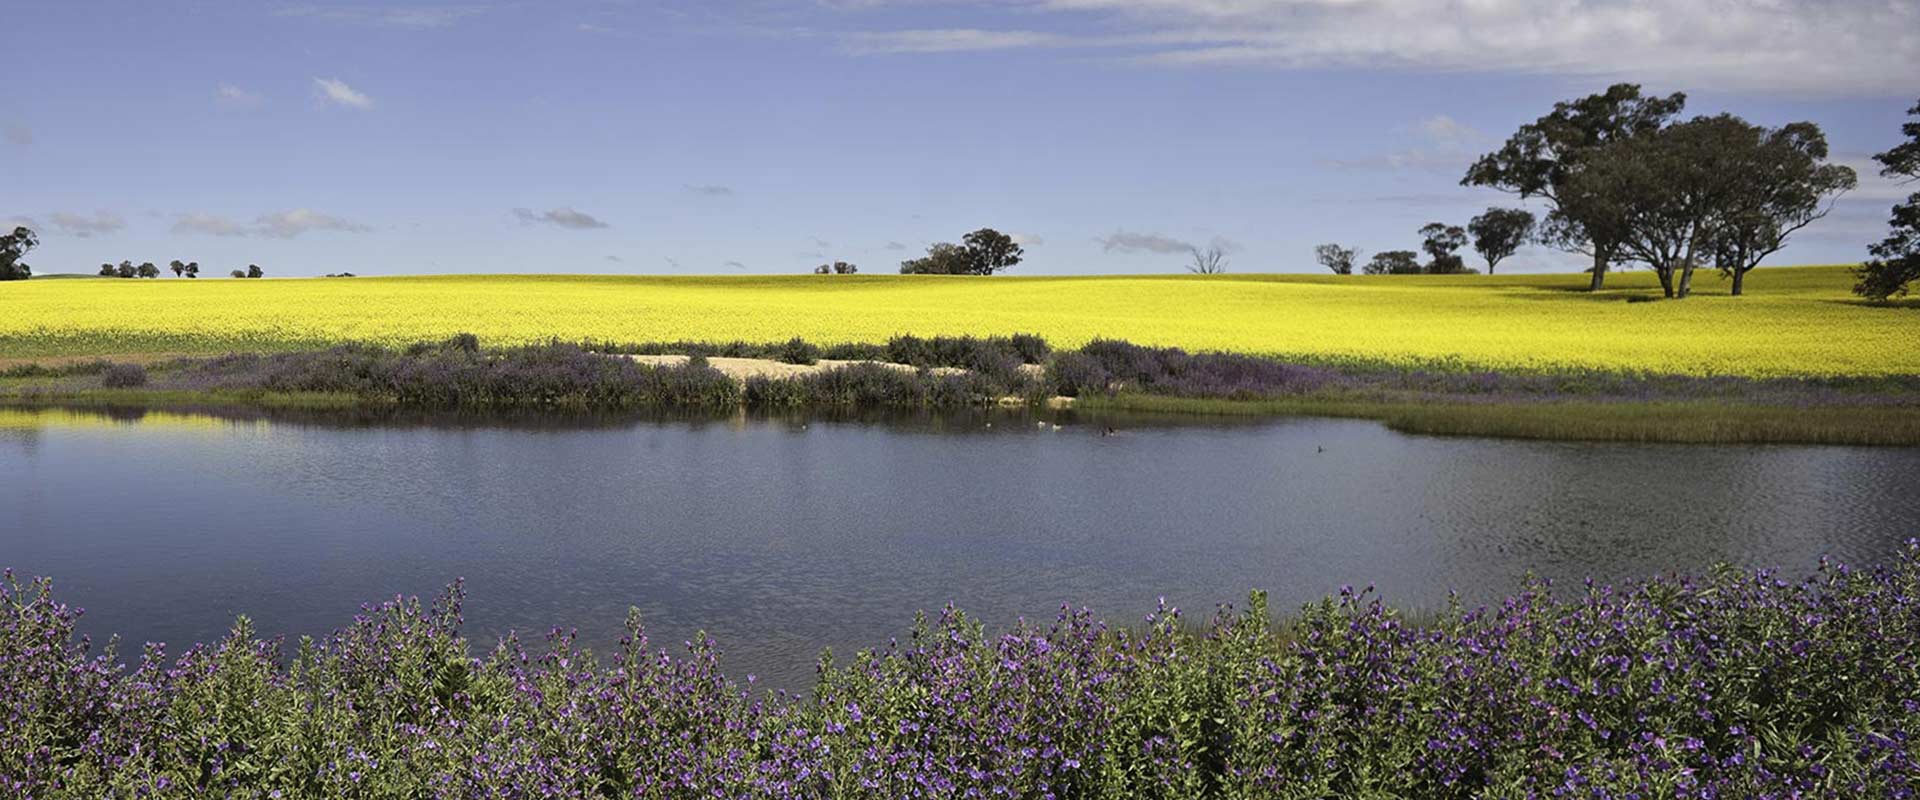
[1794, 321]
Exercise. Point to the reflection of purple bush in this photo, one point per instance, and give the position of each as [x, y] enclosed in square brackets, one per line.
[1737, 685]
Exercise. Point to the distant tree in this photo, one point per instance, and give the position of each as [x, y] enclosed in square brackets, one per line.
[254, 271]
[1211, 261]
[823, 269]
[148, 270]
[943, 258]
[1540, 158]
[107, 271]
[238, 273]
[1336, 258]
[1780, 185]
[13, 251]
[126, 270]
[1393, 262]
[177, 266]
[844, 268]
[1500, 232]
[989, 251]
[193, 269]
[1441, 241]
[1896, 259]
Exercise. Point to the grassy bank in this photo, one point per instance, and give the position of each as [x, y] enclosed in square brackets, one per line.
[966, 372]
[1698, 422]
[1795, 321]
[1730, 685]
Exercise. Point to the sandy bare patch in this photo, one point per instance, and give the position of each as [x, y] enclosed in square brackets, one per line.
[744, 368]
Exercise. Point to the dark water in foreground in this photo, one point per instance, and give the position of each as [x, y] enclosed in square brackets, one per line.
[781, 537]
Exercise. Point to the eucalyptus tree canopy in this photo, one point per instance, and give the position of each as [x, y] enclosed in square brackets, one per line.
[13, 248]
[1896, 259]
[1541, 157]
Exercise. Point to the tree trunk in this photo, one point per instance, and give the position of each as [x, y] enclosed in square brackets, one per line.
[1599, 270]
[1665, 271]
[1739, 277]
[1686, 278]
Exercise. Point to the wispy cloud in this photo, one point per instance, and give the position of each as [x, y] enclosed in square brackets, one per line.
[336, 91]
[896, 246]
[288, 224]
[948, 40]
[1134, 242]
[277, 225]
[1779, 45]
[562, 217]
[83, 226]
[1441, 143]
[438, 16]
[232, 95]
[710, 190]
[18, 135]
[1137, 242]
[734, 264]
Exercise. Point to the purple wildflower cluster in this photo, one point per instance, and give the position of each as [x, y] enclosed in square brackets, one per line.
[458, 373]
[1734, 685]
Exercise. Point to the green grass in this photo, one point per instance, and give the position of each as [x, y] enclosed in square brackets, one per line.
[1698, 422]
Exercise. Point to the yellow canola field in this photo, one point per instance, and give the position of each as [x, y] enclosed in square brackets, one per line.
[1793, 321]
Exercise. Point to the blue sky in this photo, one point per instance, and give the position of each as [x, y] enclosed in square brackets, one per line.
[765, 136]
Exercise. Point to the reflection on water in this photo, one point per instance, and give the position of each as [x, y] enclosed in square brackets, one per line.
[781, 536]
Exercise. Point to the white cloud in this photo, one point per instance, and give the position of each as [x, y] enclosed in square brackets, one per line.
[1769, 45]
[82, 226]
[278, 225]
[336, 91]
[288, 224]
[234, 95]
[211, 224]
[711, 190]
[1445, 144]
[563, 217]
[949, 40]
[1028, 239]
[391, 17]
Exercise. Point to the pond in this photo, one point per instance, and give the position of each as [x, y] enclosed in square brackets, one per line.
[783, 536]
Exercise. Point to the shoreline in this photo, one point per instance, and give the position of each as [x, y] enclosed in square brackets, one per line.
[1105, 377]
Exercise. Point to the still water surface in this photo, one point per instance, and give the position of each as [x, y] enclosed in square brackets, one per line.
[781, 536]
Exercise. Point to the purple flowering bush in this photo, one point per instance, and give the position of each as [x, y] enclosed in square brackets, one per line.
[1733, 685]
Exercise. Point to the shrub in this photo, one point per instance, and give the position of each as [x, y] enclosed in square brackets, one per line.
[798, 351]
[1730, 685]
[1077, 374]
[123, 376]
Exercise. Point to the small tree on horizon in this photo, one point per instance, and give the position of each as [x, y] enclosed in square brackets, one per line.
[1393, 262]
[177, 266]
[254, 271]
[982, 252]
[1440, 241]
[1499, 233]
[1336, 258]
[1211, 261]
